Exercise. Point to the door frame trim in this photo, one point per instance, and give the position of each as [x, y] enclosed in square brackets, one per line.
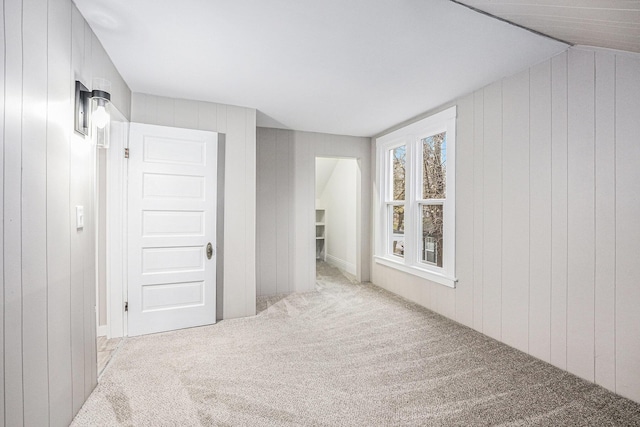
[116, 222]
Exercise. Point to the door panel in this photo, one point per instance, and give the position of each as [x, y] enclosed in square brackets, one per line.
[172, 223]
[162, 150]
[171, 260]
[172, 218]
[176, 187]
[172, 295]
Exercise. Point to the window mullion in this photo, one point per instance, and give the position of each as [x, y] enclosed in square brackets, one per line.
[411, 230]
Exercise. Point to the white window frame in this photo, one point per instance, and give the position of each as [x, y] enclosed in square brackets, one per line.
[412, 136]
[390, 203]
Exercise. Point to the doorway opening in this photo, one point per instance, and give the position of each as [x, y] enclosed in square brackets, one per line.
[336, 216]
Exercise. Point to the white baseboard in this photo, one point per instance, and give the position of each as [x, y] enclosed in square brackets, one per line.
[102, 330]
[341, 264]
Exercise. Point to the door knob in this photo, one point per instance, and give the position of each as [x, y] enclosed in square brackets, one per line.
[209, 250]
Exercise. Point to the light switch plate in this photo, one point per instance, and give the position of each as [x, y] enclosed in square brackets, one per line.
[79, 217]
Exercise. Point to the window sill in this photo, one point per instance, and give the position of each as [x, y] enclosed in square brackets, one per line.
[417, 271]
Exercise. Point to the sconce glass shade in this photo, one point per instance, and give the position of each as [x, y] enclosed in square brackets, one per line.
[100, 116]
[100, 112]
[100, 122]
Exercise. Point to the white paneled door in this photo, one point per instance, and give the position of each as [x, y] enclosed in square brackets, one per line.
[171, 228]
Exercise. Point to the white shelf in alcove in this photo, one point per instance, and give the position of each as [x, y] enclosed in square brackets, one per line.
[321, 240]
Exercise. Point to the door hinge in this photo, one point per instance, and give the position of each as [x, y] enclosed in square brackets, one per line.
[126, 306]
[126, 153]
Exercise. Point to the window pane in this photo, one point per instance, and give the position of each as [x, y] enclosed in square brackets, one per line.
[397, 230]
[434, 163]
[398, 163]
[432, 234]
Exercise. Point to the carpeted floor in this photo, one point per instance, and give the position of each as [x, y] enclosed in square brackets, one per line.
[346, 355]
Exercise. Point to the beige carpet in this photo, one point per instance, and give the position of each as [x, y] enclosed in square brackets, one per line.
[346, 355]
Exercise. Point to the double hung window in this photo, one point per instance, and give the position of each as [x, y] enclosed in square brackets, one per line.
[416, 180]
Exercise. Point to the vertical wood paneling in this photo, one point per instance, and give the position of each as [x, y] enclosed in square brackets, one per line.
[425, 292]
[515, 211]
[186, 114]
[122, 97]
[555, 176]
[221, 118]
[58, 233]
[275, 204]
[581, 244]
[464, 212]
[89, 316]
[90, 327]
[78, 160]
[80, 48]
[207, 116]
[292, 212]
[48, 45]
[13, 216]
[234, 267]
[447, 301]
[267, 219]
[166, 111]
[627, 96]
[283, 210]
[559, 218]
[540, 212]
[2, 146]
[150, 103]
[492, 219]
[478, 207]
[139, 108]
[250, 211]
[319, 143]
[260, 197]
[77, 164]
[34, 208]
[301, 188]
[605, 238]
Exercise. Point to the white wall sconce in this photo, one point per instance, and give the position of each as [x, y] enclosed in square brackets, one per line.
[99, 116]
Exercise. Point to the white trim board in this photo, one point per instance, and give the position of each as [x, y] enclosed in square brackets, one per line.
[341, 264]
[102, 330]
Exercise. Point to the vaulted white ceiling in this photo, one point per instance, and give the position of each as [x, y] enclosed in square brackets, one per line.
[351, 67]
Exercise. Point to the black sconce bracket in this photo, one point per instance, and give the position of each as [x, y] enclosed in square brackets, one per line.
[82, 109]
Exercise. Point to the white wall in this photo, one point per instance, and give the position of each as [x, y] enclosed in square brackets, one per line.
[286, 205]
[324, 169]
[547, 231]
[239, 125]
[338, 198]
[47, 313]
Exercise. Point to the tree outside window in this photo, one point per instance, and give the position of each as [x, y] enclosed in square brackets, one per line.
[434, 181]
